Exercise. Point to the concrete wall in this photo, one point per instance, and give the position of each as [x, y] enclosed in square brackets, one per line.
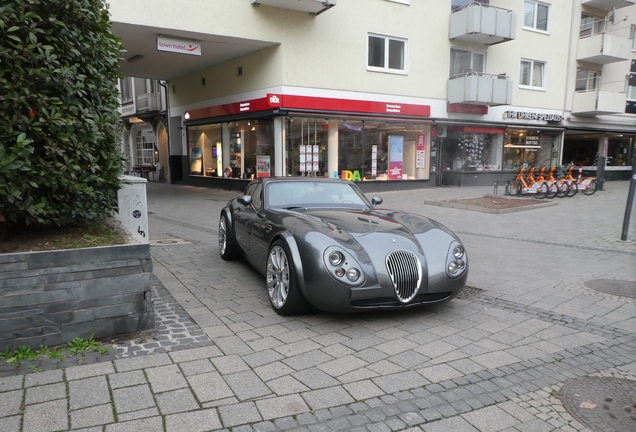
[49, 298]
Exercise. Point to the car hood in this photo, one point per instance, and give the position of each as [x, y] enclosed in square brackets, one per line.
[369, 228]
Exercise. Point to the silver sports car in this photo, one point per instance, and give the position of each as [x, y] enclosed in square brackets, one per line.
[319, 242]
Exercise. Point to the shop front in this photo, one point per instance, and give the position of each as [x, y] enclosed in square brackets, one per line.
[383, 146]
[583, 148]
[479, 155]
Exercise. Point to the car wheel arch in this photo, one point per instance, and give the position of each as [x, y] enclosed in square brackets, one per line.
[295, 255]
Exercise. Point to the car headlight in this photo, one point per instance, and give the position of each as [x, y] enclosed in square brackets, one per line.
[452, 267]
[456, 260]
[458, 252]
[353, 274]
[336, 258]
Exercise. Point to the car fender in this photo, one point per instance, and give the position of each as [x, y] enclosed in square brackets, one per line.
[230, 220]
[295, 255]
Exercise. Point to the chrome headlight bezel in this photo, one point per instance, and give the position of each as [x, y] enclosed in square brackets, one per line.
[456, 260]
[345, 269]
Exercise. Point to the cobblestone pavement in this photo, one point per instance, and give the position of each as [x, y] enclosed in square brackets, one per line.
[494, 360]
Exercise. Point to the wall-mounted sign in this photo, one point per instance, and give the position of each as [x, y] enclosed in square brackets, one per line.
[178, 46]
[528, 115]
[467, 108]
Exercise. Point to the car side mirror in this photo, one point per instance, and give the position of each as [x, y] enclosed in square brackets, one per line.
[376, 200]
[245, 200]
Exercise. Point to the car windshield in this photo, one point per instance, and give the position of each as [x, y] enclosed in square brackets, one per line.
[291, 194]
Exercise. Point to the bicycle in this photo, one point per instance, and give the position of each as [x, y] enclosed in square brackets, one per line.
[559, 188]
[587, 185]
[519, 187]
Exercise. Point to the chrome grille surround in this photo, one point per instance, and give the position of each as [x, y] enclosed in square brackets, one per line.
[405, 270]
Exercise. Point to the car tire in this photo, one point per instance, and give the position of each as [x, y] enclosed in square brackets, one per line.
[227, 245]
[281, 281]
[591, 188]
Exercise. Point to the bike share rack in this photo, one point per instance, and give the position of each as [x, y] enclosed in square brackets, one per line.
[506, 183]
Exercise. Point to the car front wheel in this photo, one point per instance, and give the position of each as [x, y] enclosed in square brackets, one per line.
[282, 285]
[227, 246]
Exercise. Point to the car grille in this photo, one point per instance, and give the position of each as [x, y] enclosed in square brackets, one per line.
[406, 273]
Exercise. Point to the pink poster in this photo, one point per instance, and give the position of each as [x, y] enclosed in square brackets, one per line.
[396, 155]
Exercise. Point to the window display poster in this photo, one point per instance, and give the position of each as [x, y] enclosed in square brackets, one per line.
[196, 161]
[303, 158]
[374, 160]
[421, 141]
[396, 156]
[315, 158]
[420, 158]
[262, 166]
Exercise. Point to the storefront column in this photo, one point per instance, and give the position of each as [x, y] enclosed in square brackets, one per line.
[279, 147]
[332, 146]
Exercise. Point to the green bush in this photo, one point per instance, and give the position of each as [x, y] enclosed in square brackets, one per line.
[60, 154]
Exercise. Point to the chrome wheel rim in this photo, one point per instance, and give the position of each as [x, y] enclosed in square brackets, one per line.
[222, 236]
[277, 277]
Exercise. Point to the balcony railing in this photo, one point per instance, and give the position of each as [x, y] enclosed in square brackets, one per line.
[603, 48]
[478, 88]
[607, 5]
[148, 102]
[483, 24]
[597, 101]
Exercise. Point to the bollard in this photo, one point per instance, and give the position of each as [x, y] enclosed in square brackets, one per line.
[630, 200]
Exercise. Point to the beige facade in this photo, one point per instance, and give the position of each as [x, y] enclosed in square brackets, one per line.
[513, 72]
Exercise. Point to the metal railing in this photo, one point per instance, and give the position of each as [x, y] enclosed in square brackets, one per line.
[476, 3]
[467, 73]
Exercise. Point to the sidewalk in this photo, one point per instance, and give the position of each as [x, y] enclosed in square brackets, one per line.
[551, 299]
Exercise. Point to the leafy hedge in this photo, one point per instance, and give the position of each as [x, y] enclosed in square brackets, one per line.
[60, 154]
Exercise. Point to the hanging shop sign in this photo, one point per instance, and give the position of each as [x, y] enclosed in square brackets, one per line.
[529, 115]
[467, 108]
[310, 103]
[178, 46]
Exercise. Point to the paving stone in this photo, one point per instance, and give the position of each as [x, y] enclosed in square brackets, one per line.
[363, 390]
[341, 423]
[326, 398]
[490, 419]
[126, 379]
[135, 398]
[138, 414]
[10, 402]
[315, 379]
[79, 372]
[273, 370]
[439, 373]
[134, 363]
[36, 379]
[10, 424]
[196, 367]
[237, 414]
[164, 378]
[379, 427]
[247, 385]
[194, 421]
[93, 416]
[285, 423]
[176, 401]
[45, 393]
[455, 424]
[400, 381]
[209, 387]
[46, 417]
[277, 407]
[88, 392]
[229, 364]
[152, 424]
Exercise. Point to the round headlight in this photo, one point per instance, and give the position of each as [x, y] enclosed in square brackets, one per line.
[340, 272]
[458, 252]
[353, 274]
[336, 258]
[461, 265]
[452, 267]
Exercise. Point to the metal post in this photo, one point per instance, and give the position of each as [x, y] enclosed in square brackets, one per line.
[600, 171]
[630, 200]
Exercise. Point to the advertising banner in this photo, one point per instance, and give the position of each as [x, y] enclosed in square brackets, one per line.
[196, 161]
[262, 166]
[396, 157]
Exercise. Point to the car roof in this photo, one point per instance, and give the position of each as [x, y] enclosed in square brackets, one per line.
[266, 180]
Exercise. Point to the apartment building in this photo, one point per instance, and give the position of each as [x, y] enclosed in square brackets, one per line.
[391, 93]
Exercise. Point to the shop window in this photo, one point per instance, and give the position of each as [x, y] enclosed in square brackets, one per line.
[587, 80]
[591, 25]
[386, 54]
[472, 149]
[306, 146]
[463, 62]
[532, 74]
[526, 148]
[535, 15]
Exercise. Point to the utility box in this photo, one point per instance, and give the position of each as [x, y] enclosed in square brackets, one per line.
[133, 208]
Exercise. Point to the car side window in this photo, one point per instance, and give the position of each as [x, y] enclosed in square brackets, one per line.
[257, 195]
[250, 189]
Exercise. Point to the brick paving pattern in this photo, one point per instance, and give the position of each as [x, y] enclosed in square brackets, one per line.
[494, 360]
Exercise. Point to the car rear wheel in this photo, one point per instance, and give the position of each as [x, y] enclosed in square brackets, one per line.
[282, 285]
[227, 246]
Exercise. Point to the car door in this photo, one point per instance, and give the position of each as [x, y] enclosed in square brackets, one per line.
[243, 219]
[261, 230]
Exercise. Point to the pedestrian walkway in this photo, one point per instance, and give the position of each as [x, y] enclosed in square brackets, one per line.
[548, 303]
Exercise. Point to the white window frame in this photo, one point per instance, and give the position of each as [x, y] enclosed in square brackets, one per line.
[126, 90]
[472, 60]
[386, 69]
[533, 27]
[145, 143]
[592, 80]
[543, 78]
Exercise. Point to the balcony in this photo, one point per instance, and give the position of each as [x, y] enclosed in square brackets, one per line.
[147, 102]
[603, 48]
[313, 7]
[607, 5]
[597, 102]
[482, 24]
[477, 88]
